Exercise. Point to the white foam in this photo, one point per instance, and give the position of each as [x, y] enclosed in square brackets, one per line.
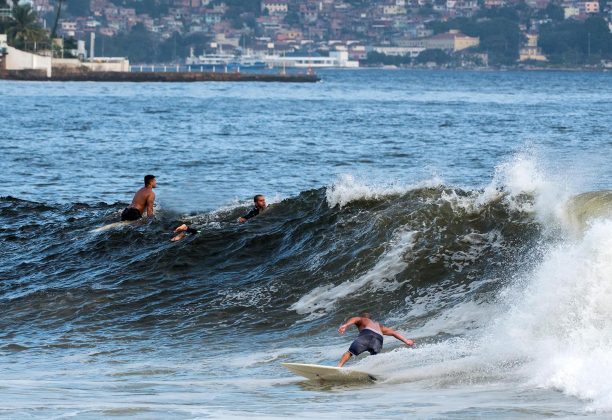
[255, 358]
[380, 277]
[552, 328]
[562, 320]
[525, 173]
[346, 189]
[523, 183]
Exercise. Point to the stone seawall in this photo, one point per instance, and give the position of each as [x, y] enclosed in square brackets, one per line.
[93, 76]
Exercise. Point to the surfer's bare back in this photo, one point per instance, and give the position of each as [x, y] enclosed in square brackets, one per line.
[143, 200]
[370, 336]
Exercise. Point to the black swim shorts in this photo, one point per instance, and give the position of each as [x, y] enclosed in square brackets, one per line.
[367, 340]
[130, 214]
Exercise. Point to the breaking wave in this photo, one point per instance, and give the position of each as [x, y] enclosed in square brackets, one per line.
[510, 281]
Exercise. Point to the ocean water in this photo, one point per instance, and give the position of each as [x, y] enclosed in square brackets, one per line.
[471, 211]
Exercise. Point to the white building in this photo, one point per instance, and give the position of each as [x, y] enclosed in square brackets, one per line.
[338, 59]
[275, 6]
[15, 59]
[589, 7]
[412, 52]
[530, 51]
[569, 12]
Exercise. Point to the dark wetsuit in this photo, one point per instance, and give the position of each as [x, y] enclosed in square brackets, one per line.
[130, 214]
[367, 340]
[251, 214]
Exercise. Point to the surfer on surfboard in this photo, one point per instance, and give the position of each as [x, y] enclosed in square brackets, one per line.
[370, 336]
[143, 200]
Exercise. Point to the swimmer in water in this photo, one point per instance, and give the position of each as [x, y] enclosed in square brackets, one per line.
[259, 207]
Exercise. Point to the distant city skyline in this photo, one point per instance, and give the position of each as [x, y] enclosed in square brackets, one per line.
[363, 28]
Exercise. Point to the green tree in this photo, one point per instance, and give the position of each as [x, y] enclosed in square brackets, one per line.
[508, 13]
[78, 7]
[238, 7]
[433, 56]
[499, 37]
[139, 45]
[375, 58]
[553, 12]
[572, 42]
[24, 31]
[153, 8]
[57, 17]
[292, 18]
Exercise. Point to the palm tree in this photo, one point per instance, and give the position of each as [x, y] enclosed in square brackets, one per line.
[25, 30]
[57, 16]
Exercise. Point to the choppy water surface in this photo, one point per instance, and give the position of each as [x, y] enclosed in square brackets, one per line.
[471, 211]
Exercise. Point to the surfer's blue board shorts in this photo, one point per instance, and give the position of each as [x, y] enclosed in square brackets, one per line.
[367, 340]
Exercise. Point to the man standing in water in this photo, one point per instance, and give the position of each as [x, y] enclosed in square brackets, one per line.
[370, 336]
[143, 199]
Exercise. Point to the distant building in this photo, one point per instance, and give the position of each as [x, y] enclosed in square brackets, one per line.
[530, 51]
[394, 9]
[106, 31]
[452, 40]
[69, 28]
[5, 13]
[589, 7]
[212, 17]
[570, 12]
[289, 35]
[494, 3]
[537, 4]
[424, 32]
[3, 43]
[413, 52]
[275, 6]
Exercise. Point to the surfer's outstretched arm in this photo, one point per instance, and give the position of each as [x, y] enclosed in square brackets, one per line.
[352, 321]
[395, 334]
[182, 230]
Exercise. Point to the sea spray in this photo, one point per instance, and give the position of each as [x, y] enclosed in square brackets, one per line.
[562, 320]
[346, 188]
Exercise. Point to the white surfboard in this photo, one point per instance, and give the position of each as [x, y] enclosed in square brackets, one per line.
[328, 373]
[110, 226]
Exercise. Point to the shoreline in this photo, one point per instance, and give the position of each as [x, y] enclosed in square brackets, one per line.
[187, 77]
[494, 69]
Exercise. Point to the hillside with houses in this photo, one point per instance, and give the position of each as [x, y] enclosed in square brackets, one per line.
[431, 33]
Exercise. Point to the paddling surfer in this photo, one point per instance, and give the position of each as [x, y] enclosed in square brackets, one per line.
[143, 200]
[370, 336]
[260, 206]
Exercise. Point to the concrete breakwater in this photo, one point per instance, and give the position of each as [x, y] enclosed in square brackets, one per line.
[113, 76]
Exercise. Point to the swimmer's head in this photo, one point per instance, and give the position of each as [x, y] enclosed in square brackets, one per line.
[260, 201]
[365, 314]
[150, 180]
